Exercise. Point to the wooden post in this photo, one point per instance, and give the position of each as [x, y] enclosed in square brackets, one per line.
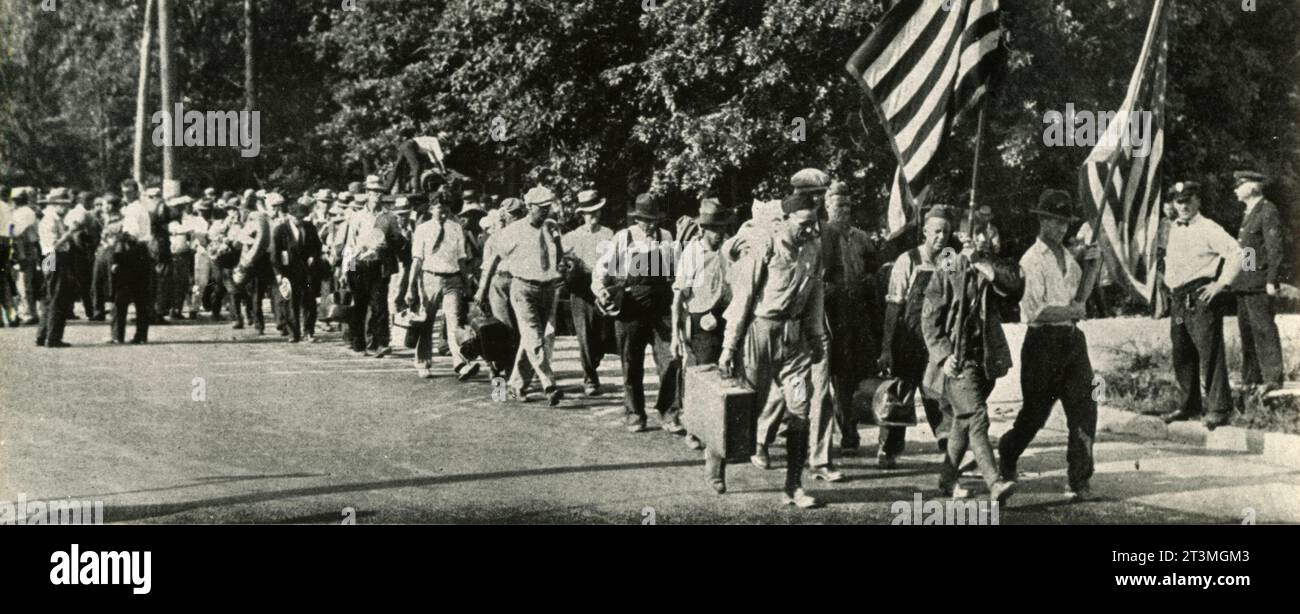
[146, 38]
[974, 186]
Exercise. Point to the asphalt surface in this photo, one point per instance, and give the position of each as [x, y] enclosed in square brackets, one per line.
[210, 425]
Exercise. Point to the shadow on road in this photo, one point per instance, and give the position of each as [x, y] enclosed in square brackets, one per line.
[128, 513]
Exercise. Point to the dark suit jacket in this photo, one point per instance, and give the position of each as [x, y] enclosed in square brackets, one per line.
[1261, 231]
[294, 258]
[939, 316]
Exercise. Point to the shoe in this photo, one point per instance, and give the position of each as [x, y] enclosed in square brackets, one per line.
[1001, 491]
[296, 340]
[139, 341]
[760, 459]
[468, 372]
[99, 317]
[194, 315]
[160, 321]
[1212, 422]
[826, 474]
[310, 338]
[57, 344]
[383, 351]
[284, 333]
[238, 326]
[694, 443]
[554, 396]
[591, 390]
[886, 461]
[674, 426]
[956, 491]
[718, 486]
[636, 426]
[799, 499]
[112, 341]
[32, 321]
[517, 394]
[1178, 416]
[423, 373]
[40, 342]
[1079, 494]
[850, 443]
[72, 316]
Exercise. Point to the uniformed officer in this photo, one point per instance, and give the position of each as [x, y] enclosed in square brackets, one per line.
[1202, 261]
[583, 247]
[1261, 241]
[775, 327]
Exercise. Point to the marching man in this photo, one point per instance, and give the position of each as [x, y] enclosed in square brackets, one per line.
[774, 327]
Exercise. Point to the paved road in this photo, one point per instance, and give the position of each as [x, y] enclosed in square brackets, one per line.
[297, 433]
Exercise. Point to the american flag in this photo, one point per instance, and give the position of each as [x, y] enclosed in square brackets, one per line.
[926, 63]
[1120, 186]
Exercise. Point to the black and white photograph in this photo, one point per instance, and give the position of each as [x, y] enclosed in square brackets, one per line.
[649, 262]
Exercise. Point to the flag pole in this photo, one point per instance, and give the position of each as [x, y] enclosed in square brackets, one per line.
[970, 228]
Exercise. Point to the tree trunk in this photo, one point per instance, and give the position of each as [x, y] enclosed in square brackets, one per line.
[137, 169]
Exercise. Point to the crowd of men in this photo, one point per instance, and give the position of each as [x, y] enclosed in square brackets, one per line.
[784, 301]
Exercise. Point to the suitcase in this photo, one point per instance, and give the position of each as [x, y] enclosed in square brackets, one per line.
[495, 340]
[720, 412]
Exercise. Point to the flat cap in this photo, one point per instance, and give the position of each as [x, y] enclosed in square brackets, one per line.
[810, 180]
[1241, 177]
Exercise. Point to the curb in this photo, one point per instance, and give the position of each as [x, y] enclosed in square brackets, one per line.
[1274, 448]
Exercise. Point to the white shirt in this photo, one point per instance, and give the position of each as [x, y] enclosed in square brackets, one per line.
[1045, 285]
[430, 146]
[1195, 249]
[50, 229]
[136, 221]
[450, 251]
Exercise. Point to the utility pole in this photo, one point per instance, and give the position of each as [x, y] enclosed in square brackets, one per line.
[146, 41]
[171, 187]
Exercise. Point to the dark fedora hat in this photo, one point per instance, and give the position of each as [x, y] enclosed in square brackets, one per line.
[648, 208]
[1055, 203]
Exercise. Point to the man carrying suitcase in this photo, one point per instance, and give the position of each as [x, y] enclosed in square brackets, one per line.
[775, 328]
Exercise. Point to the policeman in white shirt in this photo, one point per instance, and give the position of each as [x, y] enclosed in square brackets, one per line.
[1201, 262]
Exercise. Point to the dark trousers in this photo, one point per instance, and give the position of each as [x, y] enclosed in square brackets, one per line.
[1054, 365]
[966, 406]
[592, 330]
[299, 310]
[60, 294]
[1261, 347]
[910, 358]
[408, 166]
[633, 335]
[1196, 332]
[85, 273]
[160, 288]
[370, 312]
[131, 284]
[99, 283]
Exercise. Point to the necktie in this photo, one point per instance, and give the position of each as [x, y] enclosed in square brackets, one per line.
[546, 258]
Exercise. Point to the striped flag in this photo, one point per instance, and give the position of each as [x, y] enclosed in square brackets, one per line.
[926, 63]
[1120, 183]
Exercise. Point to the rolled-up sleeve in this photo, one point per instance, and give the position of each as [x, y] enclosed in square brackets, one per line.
[899, 275]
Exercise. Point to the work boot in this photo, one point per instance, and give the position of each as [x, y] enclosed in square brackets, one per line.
[796, 456]
[715, 467]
